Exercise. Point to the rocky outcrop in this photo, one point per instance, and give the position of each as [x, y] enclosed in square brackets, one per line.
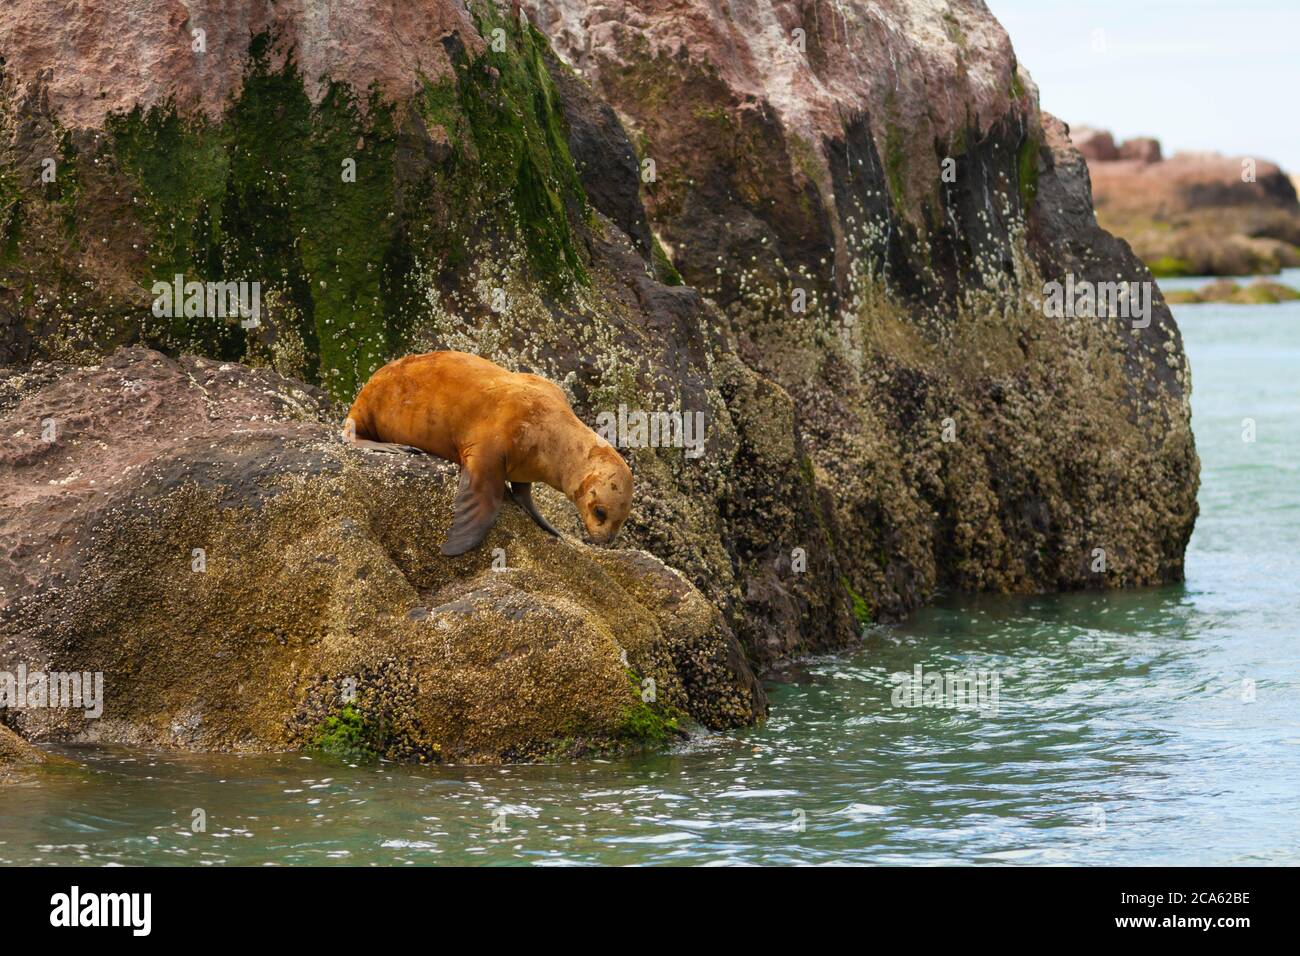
[196, 532]
[825, 227]
[871, 196]
[1194, 213]
[787, 138]
[1096, 145]
[1143, 149]
[468, 224]
[196, 54]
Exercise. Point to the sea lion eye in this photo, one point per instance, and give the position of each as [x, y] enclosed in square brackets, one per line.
[600, 514]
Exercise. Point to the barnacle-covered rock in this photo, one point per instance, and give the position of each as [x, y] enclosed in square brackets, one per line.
[197, 532]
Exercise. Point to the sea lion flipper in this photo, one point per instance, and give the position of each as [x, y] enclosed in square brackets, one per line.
[522, 492]
[477, 503]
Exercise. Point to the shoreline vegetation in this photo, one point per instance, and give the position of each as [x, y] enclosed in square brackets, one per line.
[1259, 292]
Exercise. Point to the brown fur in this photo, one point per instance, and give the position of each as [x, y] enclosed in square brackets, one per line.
[499, 426]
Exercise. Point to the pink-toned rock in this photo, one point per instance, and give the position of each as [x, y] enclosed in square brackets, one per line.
[100, 58]
[1135, 175]
[780, 86]
[1099, 146]
[1144, 149]
[1202, 213]
[1095, 144]
[1187, 181]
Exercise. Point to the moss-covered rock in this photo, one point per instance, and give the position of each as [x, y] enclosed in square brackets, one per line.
[345, 208]
[492, 207]
[878, 213]
[245, 581]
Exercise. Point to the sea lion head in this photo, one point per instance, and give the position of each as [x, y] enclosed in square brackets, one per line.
[605, 496]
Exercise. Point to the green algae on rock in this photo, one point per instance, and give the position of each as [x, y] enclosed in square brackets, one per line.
[1259, 292]
[326, 201]
[449, 236]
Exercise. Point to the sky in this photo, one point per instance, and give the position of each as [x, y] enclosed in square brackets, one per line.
[1219, 75]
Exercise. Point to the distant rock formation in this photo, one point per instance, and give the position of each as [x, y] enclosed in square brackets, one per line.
[1193, 213]
[1095, 144]
[1144, 149]
[1259, 292]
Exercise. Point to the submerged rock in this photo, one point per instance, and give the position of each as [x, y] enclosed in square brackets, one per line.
[244, 581]
[16, 755]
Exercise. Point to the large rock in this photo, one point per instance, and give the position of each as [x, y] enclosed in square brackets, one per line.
[870, 193]
[493, 210]
[788, 135]
[195, 531]
[856, 196]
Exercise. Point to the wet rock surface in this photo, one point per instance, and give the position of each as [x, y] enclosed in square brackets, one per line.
[496, 212]
[871, 196]
[16, 756]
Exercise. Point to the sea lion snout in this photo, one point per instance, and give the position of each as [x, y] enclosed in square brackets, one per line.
[605, 497]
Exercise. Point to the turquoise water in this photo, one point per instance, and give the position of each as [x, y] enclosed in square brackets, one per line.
[1158, 726]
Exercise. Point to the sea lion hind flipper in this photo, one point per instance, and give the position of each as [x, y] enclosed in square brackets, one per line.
[522, 492]
[477, 504]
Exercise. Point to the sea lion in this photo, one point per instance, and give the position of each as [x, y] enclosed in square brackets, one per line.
[500, 427]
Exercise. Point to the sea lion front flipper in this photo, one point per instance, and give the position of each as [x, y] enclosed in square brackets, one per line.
[482, 490]
[522, 492]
